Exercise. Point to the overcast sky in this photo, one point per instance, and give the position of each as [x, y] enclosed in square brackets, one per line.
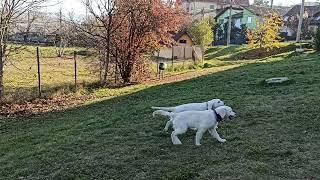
[77, 7]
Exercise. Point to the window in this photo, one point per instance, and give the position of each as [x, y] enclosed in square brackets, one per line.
[211, 6]
[286, 18]
[221, 21]
[249, 20]
[182, 41]
[318, 18]
[237, 23]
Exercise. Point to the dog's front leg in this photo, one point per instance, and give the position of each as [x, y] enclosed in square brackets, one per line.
[215, 135]
[199, 136]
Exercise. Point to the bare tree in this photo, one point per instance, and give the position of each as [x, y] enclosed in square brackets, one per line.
[63, 33]
[10, 11]
[100, 26]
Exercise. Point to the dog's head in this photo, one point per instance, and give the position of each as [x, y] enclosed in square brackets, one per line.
[214, 103]
[226, 112]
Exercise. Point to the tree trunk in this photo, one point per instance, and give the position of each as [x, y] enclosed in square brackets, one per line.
[1, 74]
[106, 70]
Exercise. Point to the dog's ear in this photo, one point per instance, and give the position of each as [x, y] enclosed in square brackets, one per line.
[221, 111]
[210, 105]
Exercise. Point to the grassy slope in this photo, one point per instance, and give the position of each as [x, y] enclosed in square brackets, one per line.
[276, 134]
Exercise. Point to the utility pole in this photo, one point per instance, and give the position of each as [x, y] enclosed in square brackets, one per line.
[87, 4]
[271, 4]
[229, 23]
[298, 39]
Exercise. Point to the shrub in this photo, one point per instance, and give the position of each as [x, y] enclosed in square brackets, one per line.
[316, 40]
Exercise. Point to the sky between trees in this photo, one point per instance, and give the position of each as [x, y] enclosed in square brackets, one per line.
[77, 7]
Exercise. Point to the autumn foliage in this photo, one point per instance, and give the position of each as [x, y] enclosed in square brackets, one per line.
[266, 35]
[145, 24]
[132, 29]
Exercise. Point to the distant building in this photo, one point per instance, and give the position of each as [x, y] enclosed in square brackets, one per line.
[242, 18]
[208, 8]
[182, 48]
[35, 27]
[291, 20]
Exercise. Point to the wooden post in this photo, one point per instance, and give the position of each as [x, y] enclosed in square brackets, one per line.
[75, 69]
[39, 79]
[158, 62]
[172, 55]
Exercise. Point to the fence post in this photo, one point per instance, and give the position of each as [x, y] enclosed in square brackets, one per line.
[172, 55]
[158, 62]
[75, 69]
[39, 79]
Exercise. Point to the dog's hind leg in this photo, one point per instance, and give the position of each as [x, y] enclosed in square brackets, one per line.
[215, 135]
[168, 125]
[199, 136]
[174, 136]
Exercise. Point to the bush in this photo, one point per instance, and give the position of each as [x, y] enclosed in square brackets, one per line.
[316, 40]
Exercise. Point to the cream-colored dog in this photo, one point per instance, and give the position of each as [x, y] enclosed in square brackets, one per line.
[200, 120]
[212, 104]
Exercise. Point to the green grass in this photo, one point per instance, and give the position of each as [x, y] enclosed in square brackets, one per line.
[275, 136]
[57, 74]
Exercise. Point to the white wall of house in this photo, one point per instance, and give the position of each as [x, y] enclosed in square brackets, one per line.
[179, 52]
[195, 7]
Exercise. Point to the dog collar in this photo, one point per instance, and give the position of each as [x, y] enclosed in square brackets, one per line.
[219, 118]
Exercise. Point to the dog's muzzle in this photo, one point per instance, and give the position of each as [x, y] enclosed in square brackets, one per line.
[231, 117]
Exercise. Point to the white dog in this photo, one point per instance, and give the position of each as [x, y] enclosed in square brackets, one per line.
[212, 104]
[201, 120]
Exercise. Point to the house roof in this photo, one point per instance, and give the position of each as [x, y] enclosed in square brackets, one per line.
[262, 10]
[295, 10]
[236, 2]
[221, 11]
[257, 10]
[315, 21]
[178, 35]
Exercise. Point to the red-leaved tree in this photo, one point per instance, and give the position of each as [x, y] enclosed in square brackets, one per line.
[145, 23]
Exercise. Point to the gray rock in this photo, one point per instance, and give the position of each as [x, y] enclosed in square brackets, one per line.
[276, 80]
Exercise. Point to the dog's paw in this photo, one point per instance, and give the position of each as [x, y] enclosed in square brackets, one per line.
[222, 140]
[176, 143]
[198, 144]
[165, 129]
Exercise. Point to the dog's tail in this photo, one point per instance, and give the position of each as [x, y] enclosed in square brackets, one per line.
[164, 108]
[163, 113]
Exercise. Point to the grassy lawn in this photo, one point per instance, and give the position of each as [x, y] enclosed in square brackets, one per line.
[275, 136]
[57, 74]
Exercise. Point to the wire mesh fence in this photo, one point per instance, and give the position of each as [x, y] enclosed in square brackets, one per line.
[57, 75]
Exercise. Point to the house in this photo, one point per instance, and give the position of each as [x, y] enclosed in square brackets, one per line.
[291, 20]
[183, 47]
[183, 38]
[243, 18]
[208, 8]
[314, 22]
